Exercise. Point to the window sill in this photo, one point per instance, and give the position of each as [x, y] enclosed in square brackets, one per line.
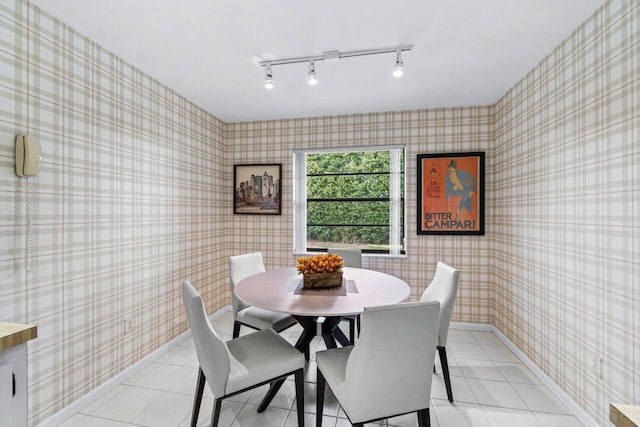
[364, 255]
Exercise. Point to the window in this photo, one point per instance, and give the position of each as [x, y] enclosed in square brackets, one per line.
[349, 198]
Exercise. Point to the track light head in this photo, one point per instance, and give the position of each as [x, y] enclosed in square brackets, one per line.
[398, 69]
[268, 77]
[311, 74]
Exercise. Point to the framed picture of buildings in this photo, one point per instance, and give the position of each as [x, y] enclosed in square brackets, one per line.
[256, 189]
[451, 193]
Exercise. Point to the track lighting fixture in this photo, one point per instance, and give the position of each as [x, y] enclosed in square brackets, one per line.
[268, 77]
[333, 55]
[398, 70]
[311, 74]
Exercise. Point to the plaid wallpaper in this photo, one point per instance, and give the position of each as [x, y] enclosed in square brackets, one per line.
[126, 206]
[565, 211]
[134, 196]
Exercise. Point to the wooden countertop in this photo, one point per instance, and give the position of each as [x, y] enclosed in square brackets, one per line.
[13, 334]
[624, 415]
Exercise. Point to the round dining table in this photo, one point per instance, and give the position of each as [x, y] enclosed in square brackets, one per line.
[281, 290]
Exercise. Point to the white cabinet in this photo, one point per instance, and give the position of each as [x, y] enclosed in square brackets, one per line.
[6, 394]
[13, 373]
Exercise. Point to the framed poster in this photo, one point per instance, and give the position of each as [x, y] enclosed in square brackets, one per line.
[257, 189]
[451, 193]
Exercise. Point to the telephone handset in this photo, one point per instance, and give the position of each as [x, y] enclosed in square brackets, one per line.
[28, 155]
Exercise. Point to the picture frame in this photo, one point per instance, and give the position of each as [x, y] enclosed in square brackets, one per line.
[257, 189]
[451, 193]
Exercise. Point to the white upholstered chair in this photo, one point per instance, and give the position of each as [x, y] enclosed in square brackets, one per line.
[241, 266]
[240, 364]
[388, 371]
[444, 288]
[351, 258]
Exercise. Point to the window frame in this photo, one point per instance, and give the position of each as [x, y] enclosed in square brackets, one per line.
[398, 233]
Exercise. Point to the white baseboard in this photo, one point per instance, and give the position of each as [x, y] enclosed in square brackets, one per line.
[576, 410]
[95, 394]
[472, 326]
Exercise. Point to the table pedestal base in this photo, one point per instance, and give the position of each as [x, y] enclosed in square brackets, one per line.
[330, 334]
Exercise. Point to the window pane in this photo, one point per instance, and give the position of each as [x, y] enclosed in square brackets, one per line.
[348, 212]
[348, 162]
[340, 186]
[371, 238]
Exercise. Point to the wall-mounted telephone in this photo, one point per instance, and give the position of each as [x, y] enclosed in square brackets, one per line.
[28, 155]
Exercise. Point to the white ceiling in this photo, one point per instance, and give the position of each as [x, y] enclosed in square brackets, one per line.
[466, 52]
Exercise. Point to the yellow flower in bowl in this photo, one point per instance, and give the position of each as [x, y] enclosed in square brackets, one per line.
[321, 271]
[321, 263]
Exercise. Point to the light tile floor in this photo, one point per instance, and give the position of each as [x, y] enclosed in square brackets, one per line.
[491, 388]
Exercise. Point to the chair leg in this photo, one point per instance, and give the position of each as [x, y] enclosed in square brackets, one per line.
[198, 398]
[215, 416]
[299, 375]
[423, 418]
[358, 317]
[445, 371]
[319, 398]
[236, 329]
